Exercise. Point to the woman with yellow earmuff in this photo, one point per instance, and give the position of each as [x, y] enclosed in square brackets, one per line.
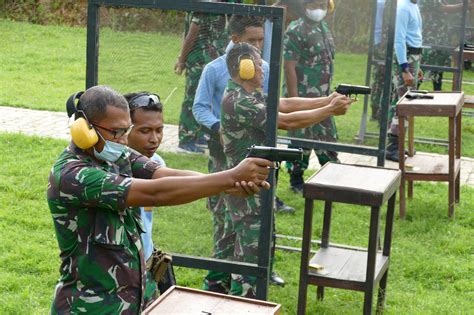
[308, 54]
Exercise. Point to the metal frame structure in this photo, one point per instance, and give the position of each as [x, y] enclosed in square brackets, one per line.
[261, 270]
[363, 134]
[379, 151]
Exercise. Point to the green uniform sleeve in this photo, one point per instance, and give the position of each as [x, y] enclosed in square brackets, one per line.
[292, 45]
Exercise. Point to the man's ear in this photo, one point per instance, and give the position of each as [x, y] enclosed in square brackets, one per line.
[235, 39]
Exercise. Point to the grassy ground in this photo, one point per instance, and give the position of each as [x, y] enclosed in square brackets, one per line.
[42, 65]
[431, 270]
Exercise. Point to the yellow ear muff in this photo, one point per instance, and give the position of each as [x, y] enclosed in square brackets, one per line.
[82, 134]
[331, 6]
[246, 69]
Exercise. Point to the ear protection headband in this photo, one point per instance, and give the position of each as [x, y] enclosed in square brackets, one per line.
[82, 133]
[331, 6]
[247, 65]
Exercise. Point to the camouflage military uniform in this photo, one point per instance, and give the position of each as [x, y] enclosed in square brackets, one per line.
[224, 236]
[243, 117]
[210, 44]
[399, 88]
[435, 32]
[102, 261]
[312, 46]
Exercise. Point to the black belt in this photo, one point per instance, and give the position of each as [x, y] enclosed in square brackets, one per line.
[414, 51]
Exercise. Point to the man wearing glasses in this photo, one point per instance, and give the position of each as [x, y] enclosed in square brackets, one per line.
[94, 195]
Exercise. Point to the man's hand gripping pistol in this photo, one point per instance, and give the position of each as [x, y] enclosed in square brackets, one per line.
[276, 155]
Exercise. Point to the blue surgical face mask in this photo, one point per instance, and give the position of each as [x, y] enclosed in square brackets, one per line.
[111, 151]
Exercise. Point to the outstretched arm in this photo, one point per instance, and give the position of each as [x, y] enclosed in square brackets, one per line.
[294, 104]
[306, 118]
[183, 189]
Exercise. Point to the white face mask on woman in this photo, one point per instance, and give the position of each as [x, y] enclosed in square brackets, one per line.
[316, 15]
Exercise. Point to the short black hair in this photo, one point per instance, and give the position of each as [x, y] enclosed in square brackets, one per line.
[238, 23]
[95, 100]
[238, 52]
[152, 106]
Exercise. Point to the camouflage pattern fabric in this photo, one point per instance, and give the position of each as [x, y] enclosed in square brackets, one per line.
[102, 263]
[243, 117]
[378, 75]
[399, 88]
[224, 235]
[209, 45]
[435, 32]
[312, 46]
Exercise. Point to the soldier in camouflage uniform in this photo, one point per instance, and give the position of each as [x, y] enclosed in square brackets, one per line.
[406, 66]
[205, 40]
[94, 199]
[243, 118]
[309, 53]
[435, 32]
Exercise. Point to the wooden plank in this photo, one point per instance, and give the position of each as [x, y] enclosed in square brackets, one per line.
[469, 101]
[443, 104]
[356, 184]
[427, 165]
[181, 300]
[346, 265]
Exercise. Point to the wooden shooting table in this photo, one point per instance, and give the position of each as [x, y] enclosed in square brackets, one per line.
[424, 167]
[468, 55]
[348, 267]
[182, 300]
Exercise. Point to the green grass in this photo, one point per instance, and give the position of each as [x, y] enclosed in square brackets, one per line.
[42, 65]
[431, 268]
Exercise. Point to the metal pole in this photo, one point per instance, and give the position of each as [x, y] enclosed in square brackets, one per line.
[92, 53]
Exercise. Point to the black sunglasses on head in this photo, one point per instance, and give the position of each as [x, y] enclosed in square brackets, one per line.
[144, 100]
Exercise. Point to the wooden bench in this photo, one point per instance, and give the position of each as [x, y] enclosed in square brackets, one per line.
[469, 101]
[348, 268]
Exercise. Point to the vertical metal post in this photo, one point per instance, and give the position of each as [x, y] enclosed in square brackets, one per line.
[459, 70]
[264, 244]
[370, 60]
[387, 83]
[92, 45]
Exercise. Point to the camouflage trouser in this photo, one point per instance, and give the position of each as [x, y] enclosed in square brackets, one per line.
[224, 235]
[324, 131]
[189, 129]
[244, 214]
[151, 289]
[399, 88]
[436, 57]
[378, 75]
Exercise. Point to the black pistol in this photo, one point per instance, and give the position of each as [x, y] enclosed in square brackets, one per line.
[275, 154]
[412, 95]
[349, 90]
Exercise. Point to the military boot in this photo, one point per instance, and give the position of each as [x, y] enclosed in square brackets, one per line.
[296, 179]
[391, 153]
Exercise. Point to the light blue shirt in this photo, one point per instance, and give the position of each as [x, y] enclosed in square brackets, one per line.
[267, 39]
[147, 218]
[408, 29]
[379, 22]
[210, 91]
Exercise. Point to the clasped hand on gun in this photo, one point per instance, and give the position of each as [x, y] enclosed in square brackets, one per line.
[276, 155]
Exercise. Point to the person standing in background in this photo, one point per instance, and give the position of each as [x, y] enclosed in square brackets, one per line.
[309, 53]
[205, 38]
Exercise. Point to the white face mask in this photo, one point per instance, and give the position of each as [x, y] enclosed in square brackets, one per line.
[316, 15]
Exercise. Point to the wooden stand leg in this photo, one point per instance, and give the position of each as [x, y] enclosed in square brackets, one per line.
[386, 252]
[371, 259]
[410, 189]
[451, 172]
[305, 252]
[458, 155]
[401, 163]
[325, 239]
